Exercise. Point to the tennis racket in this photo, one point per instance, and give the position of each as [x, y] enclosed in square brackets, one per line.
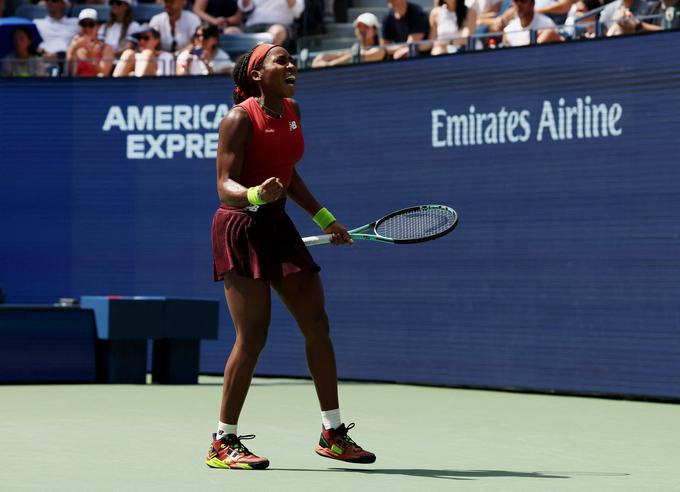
[410, 225]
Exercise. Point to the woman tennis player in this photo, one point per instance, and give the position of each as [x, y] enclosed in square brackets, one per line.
[256, 247]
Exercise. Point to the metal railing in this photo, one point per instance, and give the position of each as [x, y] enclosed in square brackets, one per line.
[475, 42]
[37, 67]
[478, 41]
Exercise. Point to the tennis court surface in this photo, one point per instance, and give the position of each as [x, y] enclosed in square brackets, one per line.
[154, 437]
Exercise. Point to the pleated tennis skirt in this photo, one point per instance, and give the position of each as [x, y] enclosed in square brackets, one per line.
[258, 244]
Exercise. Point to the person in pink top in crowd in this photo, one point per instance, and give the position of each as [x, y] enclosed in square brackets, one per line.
[87, 56]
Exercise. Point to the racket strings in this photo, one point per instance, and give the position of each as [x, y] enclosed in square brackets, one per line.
[416, 224]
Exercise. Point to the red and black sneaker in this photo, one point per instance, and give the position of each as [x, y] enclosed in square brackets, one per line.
[229, 452]
[337, 445]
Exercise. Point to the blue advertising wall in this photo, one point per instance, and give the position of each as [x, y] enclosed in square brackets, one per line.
[564, 274]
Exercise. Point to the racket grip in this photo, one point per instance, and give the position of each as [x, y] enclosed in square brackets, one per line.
[315, 240]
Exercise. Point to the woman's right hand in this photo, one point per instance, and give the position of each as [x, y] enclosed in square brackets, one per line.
[87, 43]
[271, 190]
[220, 22]
[78, 41]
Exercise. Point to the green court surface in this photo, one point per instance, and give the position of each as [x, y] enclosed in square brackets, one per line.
[153, 437]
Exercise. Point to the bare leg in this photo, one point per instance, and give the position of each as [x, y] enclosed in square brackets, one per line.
[302, 293]
[249, 303]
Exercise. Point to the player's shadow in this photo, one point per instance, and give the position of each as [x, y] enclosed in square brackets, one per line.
[434, 473]
[455, 474]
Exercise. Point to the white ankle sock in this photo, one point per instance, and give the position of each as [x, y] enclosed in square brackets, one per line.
[331, 419]
[225, 429]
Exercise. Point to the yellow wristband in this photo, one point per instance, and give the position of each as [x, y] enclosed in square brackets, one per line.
[323, 218]
[254, 196]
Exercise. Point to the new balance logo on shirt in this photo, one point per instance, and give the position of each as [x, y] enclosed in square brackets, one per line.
[292, 126]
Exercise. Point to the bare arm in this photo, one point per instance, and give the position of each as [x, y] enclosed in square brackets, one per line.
[199, 9]
[490, 13]
[300, 194]
[390, 46]
[373, 54]
[72, 55]
[106, 62]
[498, 23]
[297, 189]
[469, 27]
[234, 134]
[470, 23]
[646, 26]
[332, 59]
[146, 64]
[559, 7]
[432, 19]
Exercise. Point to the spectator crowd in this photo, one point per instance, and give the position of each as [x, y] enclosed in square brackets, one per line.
[185, 40]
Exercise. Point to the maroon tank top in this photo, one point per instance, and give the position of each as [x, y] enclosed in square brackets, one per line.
[276, 146]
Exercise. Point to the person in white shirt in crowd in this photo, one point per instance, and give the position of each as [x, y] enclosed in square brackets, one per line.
[516, 33]
[176, 26]
[119, 26]
[273, 16]
[451, 19]
[57, 30]
[367, 32]
[204, 57]
[585, 28]
[148, 60]
[621, 17]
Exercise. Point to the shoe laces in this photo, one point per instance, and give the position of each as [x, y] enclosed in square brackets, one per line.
[344, 435]
[237, 445]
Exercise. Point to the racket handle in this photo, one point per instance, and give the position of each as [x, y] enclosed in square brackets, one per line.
[314, 240]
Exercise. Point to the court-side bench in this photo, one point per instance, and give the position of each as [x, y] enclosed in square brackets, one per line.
[176, 327]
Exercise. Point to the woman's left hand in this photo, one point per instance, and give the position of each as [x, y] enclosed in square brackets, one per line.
[340, 234]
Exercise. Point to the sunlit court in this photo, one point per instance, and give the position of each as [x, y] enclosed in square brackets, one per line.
[304, 245]
[152, 438]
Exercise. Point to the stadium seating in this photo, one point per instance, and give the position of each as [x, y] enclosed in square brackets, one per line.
[341, 35]
[238, 44]
[30, 11]
[11, 6]
[143, 12]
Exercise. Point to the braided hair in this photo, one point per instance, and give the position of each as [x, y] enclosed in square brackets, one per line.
[244, 88]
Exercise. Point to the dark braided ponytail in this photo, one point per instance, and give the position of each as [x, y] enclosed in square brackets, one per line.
[243, 88]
